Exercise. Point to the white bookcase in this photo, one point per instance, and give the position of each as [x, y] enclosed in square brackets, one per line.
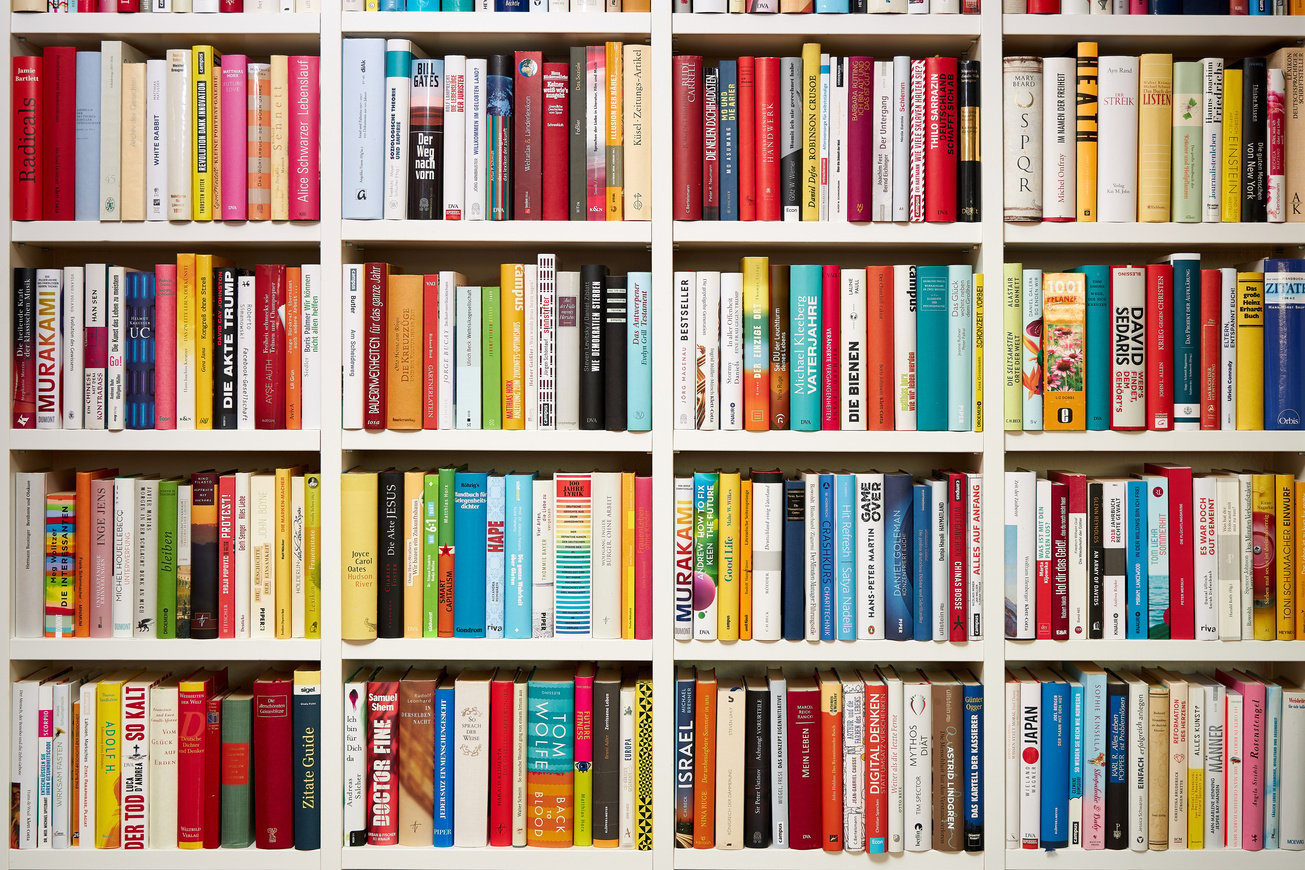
[663, 451]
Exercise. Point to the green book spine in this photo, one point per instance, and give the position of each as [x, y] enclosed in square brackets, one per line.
[491, 360]
[312, 555]
[166, 604]
[430, 556]
[237, 771]
[1188, 171]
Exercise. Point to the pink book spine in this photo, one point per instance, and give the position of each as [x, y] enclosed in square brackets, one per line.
[101, 620]
[584, 719]
[1253, 769]
[165, 346]
[595, 165]
[860, 136]
[430, 358]
[1137, 7]
[643, 569]
[830, 332]
[235, 138]
[227, 556]
[305, 117]
[916, 200]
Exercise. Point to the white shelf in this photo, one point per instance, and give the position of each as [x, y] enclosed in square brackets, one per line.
[866, 651]
[163, 859]
[762, 235]
[161, 233]
[495, 233]
[781, 441]
[262, 440]
[606, 25]
[1152, 443]
[500, 441]
[1177, 859]
[421, 858]
[788, 859]
[1177, 237]
[1191, 652]
[458, 649]
[154, 650]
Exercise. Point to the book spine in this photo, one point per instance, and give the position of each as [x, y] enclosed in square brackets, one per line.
[1022, 89]
[687, 164]
[1059, 145]
[304, 133]
[1117, 142]
[1155, 137]
[1254, 144]
[1159, 347]
[1086, 128]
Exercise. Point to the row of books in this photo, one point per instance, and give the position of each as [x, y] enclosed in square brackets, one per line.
[1122, 138]
[508, 137]
[199, 6]
[821, 138]
[209, 555]
[966, 7]
[548, 757]
[840, 760]
[1151, 759]
[811, 347]
[828, 556]
[457, 553]
[117, 135]
[543, 349]
[198, 344]
[1164, 346]
[139, 759]
[1154, 7]
[1166, 553]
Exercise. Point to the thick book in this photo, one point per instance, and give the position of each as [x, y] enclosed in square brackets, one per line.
[804, 762]
[237, 770]
[273, 752]
[687, 162]
[549, 757]
[306, 724]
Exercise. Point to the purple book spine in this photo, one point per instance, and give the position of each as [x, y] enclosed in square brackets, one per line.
[860, 136]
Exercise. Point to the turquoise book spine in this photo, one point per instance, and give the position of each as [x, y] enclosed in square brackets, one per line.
[520, 550]
[931, 316]
[1098, 346]
[960, 348]
[804, 348]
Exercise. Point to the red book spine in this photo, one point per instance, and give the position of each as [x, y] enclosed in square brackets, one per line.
[879, 347]
[28, 155]
[527, 115]
[711, 142]
[831, 330]
[1044, 7]
[1211, 288]
[213, 772]
[274, 826]
[860, 138]
[227, 556]
[804, 767]
[128, 5]
[970, 7]
[382, 763]
[269, 338]
[1076, 505]
[430, 343]
[643, 561]
[767, 138]
[59, 83]
[305, 133]
[1182, 568]
[556, 89]
[1059, 561]
[1235, 7]
[876, 763]
[192, 709]
[940, 139]
[747, 139]
[231, 6]
[686, 165]
[374, 361]
[957, 553]
[1159, 347]
[500, 762]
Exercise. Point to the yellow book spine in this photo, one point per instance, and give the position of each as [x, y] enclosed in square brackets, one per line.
[1195, 807]
[756, 346]
[811, 131]
[205, 314]
[745, 561]
[1155, 123]
[1299, 538]
[187, 326]
[280, 76]
[1232, 151]
[108, 778]
[358, 555]
[1264, 616]
[1085, 132]
[1285, 497]
[202, 58]
[978, 352]
[283, 595]
[1064, 311]
[215, 133]
[727, 614]
[1013, 346]
[643, 762]
[312, 556]
[627, 555]
[512, 320]
[614, 140]
[1250, 350]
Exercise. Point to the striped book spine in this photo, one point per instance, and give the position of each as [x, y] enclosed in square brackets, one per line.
[259, 149]
[573, 547]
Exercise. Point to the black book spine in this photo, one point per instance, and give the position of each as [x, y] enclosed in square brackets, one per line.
[225, 411]
[967, 181]
[203, 558]
[1255, 140]
[426, 142]
[389, 543]
[1096, 562]
[792, 581]
[577, 118]
[756, 768]
[685, 699]
[1116, 764]
[592, 281]
[607, 761]
[306, 720]
[790, 137]
[498, 112]
[615, 307]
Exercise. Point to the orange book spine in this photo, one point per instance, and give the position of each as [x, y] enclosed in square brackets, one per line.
[831, 761]
[879, 348]
[512, 320]
[1064, 342]
[82, 551]
[756, 344]
[294, 345]
[403, 306]
[704, 762]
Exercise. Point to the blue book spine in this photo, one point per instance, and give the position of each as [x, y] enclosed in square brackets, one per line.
[1260, 7]
[1054, 826]
[804, 348]
[511, 6]
[638, 353]
[424, 6]
[390, 6]
[1097, 382]
[826, 490]
[495, 554]
[1273, 765]
[1157, 561]
[1166, 7]
[86, 195]
[1284, 330]
[470, 494]
[960, 348]
[684, 741]
[445, 723]
[931, 332]
[845, 555]
[922, 565]
[1187, 341]
[362, 194]
[1094, 735]
[793, 579]
[832, 6]
[1204, 7]
[729, 140]
[140, 350]
[899, 621]
[306, 717]
[1116, 759]
[1135, 543]
[457, 6]
[519, 539]
[973, 713]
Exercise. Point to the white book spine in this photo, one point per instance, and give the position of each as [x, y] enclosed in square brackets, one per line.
[49, 339]
[568, 350]
[811, 556]
[685, 350]
[136, 762]
[1030, 769]
[474, 178]
[1212, 141]
[627, 767]
[1227, 547]
[731, 351]
[869, 555]
[29, 568]
[447, 325]
[246, 332]
[73, 347]
[1228, 348]
[822, 115]
[145, 587]
[61, 758]
[838, 155]
[97, 275]
[164, 720]
[901, 137]
[88, 742]
[729, 764]
[398, 105]
[471, 743]
[904, 348]
[530, 286]
[1022, 121]
[1117, 139]
[298, 585]
[684, 558]
[884, 170]
[1246, 551]
[455, 136]
[311, 348]
[467, 389]
[179, 134]
[1292, 830]
[1058, 138]
[778, 758]
[605, 557]
[1214, 770]
[352, 387]
[917, 741]
[156, 135]
[1139, 721]
[852, 312]
[896, 769]
[1205, 529]
[24, 718]
[854, 764]
[1014, 716]
[940, 563]
[546, 293]
[541, 562]
[1115, 498]
[974, 551]
[355, 755]
[1234, 735]
[262, 543]
[243, 575]
[767, 559]
[124, 552]
[1021, 566]
[917, 7]
[111, 59]
[115, 384]
[706, 293]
